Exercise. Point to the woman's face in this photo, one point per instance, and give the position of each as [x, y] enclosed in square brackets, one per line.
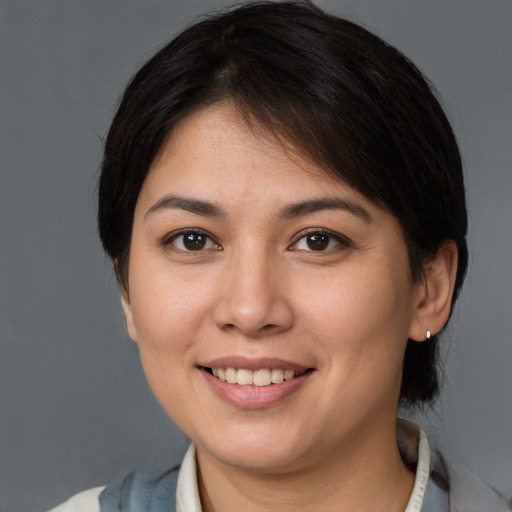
[249, 261]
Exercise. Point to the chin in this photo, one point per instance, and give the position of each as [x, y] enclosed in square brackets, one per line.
[257, 450]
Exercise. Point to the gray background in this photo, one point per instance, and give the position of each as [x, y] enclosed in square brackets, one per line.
[74, 406]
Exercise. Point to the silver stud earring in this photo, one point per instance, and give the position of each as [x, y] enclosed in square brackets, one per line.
[428, 335]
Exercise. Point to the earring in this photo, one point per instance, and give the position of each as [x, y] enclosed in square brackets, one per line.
[428, 335]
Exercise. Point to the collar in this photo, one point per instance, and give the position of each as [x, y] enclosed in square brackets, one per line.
[187, 493]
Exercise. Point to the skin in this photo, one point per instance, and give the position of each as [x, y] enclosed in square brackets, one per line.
[257, 289]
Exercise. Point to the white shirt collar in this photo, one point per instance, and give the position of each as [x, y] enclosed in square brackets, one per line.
[411, 439]
[187, 493]
[422, 465]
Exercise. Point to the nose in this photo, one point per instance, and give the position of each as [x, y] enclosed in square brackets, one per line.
[253, 298]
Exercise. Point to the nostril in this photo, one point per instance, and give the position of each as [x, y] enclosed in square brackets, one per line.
[228, 327]
[253, 316]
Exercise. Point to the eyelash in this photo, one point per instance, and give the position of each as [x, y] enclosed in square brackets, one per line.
[342, 242]
[169, 240]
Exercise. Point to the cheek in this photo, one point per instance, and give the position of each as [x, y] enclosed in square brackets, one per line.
[361, 324]
[362, 315]
[167, 320]
[167, 311]
[170, 313]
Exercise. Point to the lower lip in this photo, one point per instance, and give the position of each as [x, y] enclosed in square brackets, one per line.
[255, 397]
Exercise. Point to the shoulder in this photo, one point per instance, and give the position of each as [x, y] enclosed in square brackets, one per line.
[442, 484]
[469, 493]
[138, 491]
[86, 501]
[141, 491]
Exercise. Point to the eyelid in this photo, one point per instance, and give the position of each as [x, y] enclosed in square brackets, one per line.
[343, 240]
[168, 239]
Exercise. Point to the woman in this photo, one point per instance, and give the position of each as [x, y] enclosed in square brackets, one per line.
[283, 201]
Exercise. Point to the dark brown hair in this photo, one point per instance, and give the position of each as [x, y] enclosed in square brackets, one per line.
[348, 100]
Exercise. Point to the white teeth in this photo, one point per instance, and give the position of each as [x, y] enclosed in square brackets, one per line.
[277, 376]
[231, 375]
[289, 374]
[263, 377]
[244, 377]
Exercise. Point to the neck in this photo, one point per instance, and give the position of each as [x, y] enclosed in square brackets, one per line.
[366, 474]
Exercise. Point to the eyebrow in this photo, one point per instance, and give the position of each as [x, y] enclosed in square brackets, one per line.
[325, 203]
[196, 206]
[208, 209]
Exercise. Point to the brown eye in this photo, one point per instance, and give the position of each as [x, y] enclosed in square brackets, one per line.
[317, 241]
[321, 241]
[192, 241]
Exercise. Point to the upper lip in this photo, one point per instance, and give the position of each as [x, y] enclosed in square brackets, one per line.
[241, 362]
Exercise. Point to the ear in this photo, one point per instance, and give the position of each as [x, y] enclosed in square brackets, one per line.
[128, 315]
[435, 293]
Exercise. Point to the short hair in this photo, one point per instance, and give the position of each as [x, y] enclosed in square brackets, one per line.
[339, 94]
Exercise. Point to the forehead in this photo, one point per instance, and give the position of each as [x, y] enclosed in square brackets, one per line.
[216, 151]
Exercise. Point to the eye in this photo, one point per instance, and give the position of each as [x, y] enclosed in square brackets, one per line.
[192, 241]
[320, 241]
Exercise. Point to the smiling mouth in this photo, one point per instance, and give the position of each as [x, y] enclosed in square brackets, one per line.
[259, 378]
